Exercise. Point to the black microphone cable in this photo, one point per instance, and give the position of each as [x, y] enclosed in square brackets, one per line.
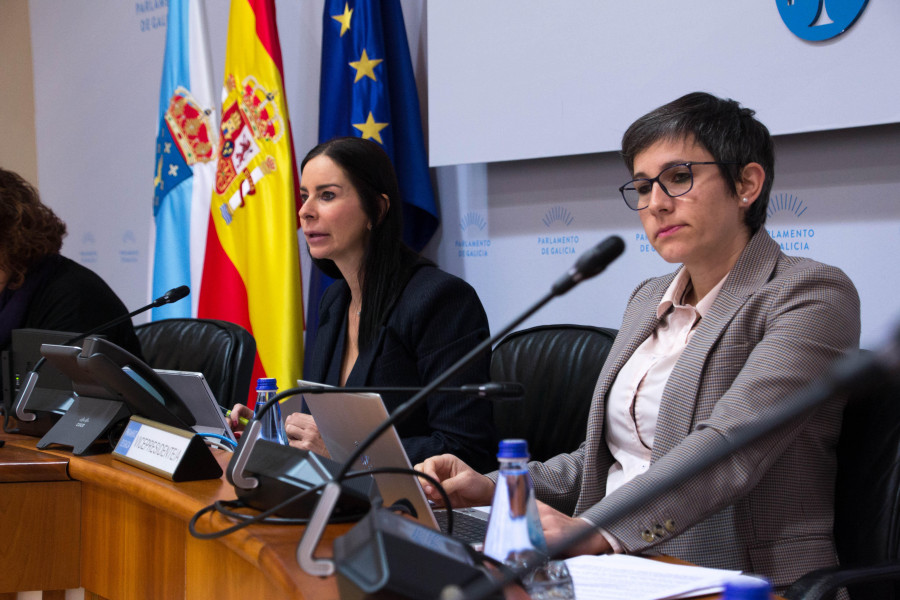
[266, 517]
[485, 390]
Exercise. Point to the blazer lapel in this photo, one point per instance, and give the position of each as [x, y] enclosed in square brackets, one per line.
[328, 335]
[634, 331]
[638, 324]
[359, 376]
[679, 401]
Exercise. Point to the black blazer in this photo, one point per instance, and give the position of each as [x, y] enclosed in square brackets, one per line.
[436, 320]
[74, 298]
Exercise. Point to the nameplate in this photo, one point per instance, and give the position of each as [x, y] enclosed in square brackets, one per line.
[169, 452]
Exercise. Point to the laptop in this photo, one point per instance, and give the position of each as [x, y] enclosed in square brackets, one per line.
[194, 391]
[344, 420]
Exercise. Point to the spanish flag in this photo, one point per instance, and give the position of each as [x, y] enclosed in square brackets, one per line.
[251, 271]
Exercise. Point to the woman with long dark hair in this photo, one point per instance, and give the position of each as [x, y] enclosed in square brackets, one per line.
[392, 318]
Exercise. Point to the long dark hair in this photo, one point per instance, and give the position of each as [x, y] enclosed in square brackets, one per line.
[387, 262]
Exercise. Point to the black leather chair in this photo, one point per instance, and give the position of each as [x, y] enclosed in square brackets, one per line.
[224, 352]
[558, 365]
[867, 504]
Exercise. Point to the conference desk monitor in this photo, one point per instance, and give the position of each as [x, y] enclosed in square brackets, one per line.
[53, 396]
[98, 387]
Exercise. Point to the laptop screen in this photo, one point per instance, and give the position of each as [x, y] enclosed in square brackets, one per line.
[344, 421]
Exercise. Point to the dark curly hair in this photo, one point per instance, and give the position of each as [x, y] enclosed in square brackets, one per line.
[29, 230]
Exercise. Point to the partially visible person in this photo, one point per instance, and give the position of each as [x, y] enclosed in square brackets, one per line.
[392, 318]
[40, 288]
[716, 345]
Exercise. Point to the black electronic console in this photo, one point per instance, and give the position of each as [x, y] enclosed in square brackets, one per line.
[52, 396]
[110, 384]
[133, 382]
[387, 555]
[31, 410]
[284, 472]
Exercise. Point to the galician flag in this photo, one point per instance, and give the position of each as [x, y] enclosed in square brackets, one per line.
[184, 169]
[251, 275]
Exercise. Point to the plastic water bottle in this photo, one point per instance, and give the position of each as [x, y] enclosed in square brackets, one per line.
[514, 534]
[747, 588]
[272, 426]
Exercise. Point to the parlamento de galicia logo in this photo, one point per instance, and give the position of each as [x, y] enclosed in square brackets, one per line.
[555, 245]
[791, 239]
[473, 222]
[819, 20]
[88, 253]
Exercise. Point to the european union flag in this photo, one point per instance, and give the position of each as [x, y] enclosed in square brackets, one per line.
[368, 90]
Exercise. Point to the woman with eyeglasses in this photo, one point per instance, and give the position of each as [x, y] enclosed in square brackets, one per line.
[735, 331]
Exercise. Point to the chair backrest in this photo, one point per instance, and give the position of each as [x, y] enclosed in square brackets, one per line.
[867, 495]
[558, 365]
[224, 352]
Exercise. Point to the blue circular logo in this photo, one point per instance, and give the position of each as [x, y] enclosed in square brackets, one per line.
[818, 20]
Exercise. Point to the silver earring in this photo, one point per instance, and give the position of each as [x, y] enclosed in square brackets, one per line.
[744, 200]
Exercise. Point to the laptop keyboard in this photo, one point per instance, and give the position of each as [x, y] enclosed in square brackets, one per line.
[468, 525]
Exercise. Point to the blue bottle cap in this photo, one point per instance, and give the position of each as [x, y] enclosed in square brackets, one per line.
[265, 384]
[513, 449]
[747, 588]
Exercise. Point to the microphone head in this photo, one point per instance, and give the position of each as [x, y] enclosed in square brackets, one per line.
[589, 264]
[173, 295]
[598, 258]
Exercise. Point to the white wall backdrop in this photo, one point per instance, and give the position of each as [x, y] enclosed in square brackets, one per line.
[509, 228]
[514, 79]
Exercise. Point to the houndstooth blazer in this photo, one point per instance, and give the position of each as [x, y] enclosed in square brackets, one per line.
[777, 324]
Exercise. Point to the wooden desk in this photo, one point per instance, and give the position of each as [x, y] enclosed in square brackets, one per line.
[39, 513]
[122, 533]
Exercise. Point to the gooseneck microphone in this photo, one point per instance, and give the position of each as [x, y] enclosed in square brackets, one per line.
[173, 295]
[589, 264]
[243, 478]
[861, 373]
[592, 263]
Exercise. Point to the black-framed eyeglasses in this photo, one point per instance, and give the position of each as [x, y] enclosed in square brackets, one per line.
[675, 181]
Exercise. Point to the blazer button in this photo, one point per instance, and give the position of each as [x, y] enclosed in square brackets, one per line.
[659, 531]
[670, 525]
[648, 535]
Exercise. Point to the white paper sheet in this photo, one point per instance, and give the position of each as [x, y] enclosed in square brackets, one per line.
[622, 577]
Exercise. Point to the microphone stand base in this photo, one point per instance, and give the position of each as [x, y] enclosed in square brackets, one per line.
[85, 422]
[284, 471]
[387, 556]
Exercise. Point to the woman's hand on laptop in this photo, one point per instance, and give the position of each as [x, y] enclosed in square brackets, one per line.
[464, 485]
[303, 433]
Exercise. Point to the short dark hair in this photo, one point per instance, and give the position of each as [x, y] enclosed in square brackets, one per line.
[387, 261]
[723, 127]
[29, 230]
